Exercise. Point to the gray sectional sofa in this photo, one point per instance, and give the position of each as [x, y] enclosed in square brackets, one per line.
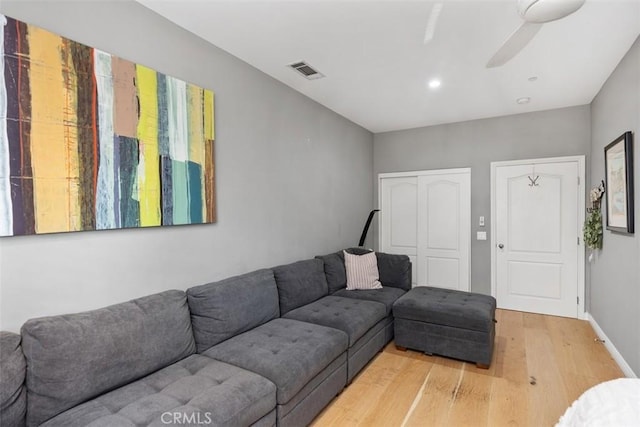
[271, 347]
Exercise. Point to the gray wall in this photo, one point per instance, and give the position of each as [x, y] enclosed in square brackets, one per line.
[293, 178]
[476, 144]
[615, 271]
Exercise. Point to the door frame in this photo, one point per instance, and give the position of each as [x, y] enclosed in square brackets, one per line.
[419, 173]
[582, 314]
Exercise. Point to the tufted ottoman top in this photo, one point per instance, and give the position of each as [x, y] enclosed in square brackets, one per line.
[439, 306]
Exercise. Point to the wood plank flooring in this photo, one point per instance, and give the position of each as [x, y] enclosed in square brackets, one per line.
[541, 364]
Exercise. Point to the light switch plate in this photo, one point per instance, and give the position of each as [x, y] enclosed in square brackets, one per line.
[481, 222]
[481, 235]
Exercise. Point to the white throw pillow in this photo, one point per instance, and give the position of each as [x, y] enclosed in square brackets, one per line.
[362, 271]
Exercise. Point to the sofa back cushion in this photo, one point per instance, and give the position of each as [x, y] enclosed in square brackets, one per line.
[300, 283]
[226, 308]
[395, 270]
[13, 395]
[334, 271]
[75, 357]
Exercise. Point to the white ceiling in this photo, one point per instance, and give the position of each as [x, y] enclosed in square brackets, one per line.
[377, 65]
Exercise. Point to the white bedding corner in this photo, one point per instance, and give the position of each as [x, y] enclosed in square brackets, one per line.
[614, 403]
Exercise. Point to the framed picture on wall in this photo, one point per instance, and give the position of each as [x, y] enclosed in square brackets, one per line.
[618, 163]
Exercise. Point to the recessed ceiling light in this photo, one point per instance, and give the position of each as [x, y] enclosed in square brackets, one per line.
[524, 100]
[435, 83]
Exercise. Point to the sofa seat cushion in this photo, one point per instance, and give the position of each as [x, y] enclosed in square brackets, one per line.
[196, 389]
[353, 316]
[386, 295]
[458, 309]
[287, 352]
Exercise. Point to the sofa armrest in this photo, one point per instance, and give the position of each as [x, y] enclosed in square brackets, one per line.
[13, 395]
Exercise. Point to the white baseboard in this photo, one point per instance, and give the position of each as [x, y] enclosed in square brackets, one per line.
[626, 369]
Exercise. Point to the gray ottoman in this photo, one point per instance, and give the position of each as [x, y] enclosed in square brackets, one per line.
[446, 322]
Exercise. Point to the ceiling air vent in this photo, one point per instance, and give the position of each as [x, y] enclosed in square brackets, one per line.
[306, 70]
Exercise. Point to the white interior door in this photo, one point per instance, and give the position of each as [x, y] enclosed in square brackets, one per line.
[426, 215]
[399, 218]
[537, 245]
[444, 230]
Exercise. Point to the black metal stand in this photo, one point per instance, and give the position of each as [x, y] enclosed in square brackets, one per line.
[366, 227]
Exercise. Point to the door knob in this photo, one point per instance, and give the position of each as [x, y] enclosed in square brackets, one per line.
[500, 245]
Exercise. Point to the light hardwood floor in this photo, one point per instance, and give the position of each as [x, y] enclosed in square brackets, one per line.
[541, 364]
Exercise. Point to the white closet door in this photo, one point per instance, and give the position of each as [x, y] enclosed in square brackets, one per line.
[444, 230]
[399, 210]
[427, 216]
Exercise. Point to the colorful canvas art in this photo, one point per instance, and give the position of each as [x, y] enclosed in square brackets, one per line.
[90, 141]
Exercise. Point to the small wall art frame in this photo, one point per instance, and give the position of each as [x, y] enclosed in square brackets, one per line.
[91, 141]
[618, 160]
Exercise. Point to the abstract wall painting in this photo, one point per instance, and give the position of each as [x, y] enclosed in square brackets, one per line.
[90, 141]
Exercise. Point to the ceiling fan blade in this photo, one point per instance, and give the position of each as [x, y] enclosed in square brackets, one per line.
[432, 22]
[514, 44]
